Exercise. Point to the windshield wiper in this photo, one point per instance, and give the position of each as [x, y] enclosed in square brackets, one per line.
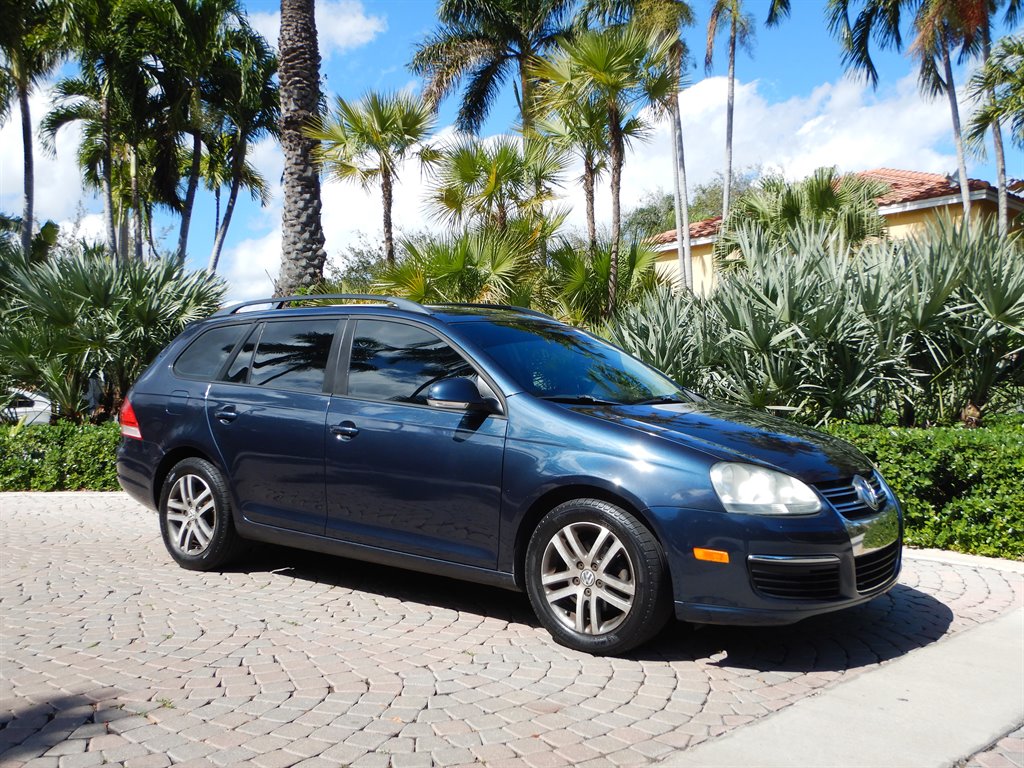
[578, 400]
[661, 400]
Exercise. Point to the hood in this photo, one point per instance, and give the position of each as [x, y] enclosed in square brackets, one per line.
[734, 433]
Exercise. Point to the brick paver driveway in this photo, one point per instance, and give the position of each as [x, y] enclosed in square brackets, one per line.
[111, 653]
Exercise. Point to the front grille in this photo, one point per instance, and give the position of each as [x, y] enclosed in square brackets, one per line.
[793, 580]
[842, 496]
[876, 568]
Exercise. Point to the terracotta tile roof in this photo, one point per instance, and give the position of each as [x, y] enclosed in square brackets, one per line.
[911, 186]
[702, 228]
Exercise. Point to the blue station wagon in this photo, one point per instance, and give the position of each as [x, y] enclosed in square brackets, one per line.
[497, 445]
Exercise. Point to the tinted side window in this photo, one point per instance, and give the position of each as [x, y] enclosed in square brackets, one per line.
[204, 357]
[293, 354]
[398, 362]
[238, 371]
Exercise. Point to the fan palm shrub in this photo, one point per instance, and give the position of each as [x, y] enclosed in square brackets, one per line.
[84, 318]
[913, 331]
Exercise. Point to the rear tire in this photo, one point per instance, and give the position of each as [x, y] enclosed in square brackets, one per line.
[596, 577]
[195, 516]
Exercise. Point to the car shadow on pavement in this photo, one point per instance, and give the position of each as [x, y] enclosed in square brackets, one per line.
[391, 582]
[885, 628]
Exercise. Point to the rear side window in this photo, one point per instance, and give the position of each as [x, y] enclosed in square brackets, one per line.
[398, 362]
[293, 354]
[205, 356]
[238, 372]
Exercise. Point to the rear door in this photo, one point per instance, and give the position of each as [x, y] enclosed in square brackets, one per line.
[403, 475]
[268, 416]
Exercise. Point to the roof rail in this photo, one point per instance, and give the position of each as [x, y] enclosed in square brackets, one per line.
[511, 307]
[281, 302]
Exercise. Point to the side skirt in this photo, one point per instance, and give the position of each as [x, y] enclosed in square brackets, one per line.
[328, 546]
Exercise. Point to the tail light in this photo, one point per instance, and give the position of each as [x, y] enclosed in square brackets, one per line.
[129, 424]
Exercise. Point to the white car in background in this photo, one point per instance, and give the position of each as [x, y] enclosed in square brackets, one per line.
[31, 407]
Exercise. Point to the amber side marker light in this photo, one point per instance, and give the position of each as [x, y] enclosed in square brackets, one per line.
[711, 555]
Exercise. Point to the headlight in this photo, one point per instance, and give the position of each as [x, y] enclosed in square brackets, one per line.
[752, 490]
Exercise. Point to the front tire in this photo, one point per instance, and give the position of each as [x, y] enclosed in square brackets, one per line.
[195, 516]
[596, 577]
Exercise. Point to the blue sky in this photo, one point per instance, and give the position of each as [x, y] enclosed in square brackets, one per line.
[796, 110]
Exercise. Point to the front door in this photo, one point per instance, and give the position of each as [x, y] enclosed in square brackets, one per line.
[402, 475]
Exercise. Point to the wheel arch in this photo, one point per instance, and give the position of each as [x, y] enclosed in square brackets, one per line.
[171, 458]
[581, 490]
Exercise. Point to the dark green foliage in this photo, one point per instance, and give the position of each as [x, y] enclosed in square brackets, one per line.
[61, 457]
[960, 488]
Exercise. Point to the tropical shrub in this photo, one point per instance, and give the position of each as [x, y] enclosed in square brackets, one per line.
[82, 320]
[911, 331]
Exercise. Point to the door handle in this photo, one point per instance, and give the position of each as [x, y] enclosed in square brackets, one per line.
[345, 431]
[226, 414]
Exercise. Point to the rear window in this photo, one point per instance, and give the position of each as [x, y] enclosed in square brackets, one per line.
[293, 354]
[205, 356]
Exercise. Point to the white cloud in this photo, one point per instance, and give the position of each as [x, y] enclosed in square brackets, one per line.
[341, 25]
[251, 266]
[58, 185]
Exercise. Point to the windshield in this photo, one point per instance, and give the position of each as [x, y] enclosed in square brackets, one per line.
[560, 363]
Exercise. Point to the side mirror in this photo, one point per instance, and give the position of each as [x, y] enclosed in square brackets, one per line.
[458, 395]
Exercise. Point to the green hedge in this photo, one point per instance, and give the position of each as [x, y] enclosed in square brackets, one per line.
[62, 457]
[961, 489]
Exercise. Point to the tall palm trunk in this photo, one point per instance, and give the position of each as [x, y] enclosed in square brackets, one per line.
[302, 235]
[26, 138]
[727, 181]
[136, 207]
[588, 193]
[617, 151]
[105, 183]
[387, 193]
[954, 110]
[526, 93]
[682, 203]
[997, 140]
[223, 223]
[190, 195]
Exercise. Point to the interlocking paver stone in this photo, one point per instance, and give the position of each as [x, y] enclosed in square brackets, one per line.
[112, 652]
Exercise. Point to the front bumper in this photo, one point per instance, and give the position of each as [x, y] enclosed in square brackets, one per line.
[780, 570]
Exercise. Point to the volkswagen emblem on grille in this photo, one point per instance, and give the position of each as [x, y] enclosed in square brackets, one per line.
[866, 493]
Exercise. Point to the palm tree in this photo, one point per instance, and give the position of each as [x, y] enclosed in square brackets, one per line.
[741, 32]
[91, 30]
[368, 141]
[1003, 76]
[663, 18]
[247, 98]
[581, 129]
[491, 183]
[621, 69]
[195, 38]
[28, 54]
[302, 234]
[938, 27]
[485, 42]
